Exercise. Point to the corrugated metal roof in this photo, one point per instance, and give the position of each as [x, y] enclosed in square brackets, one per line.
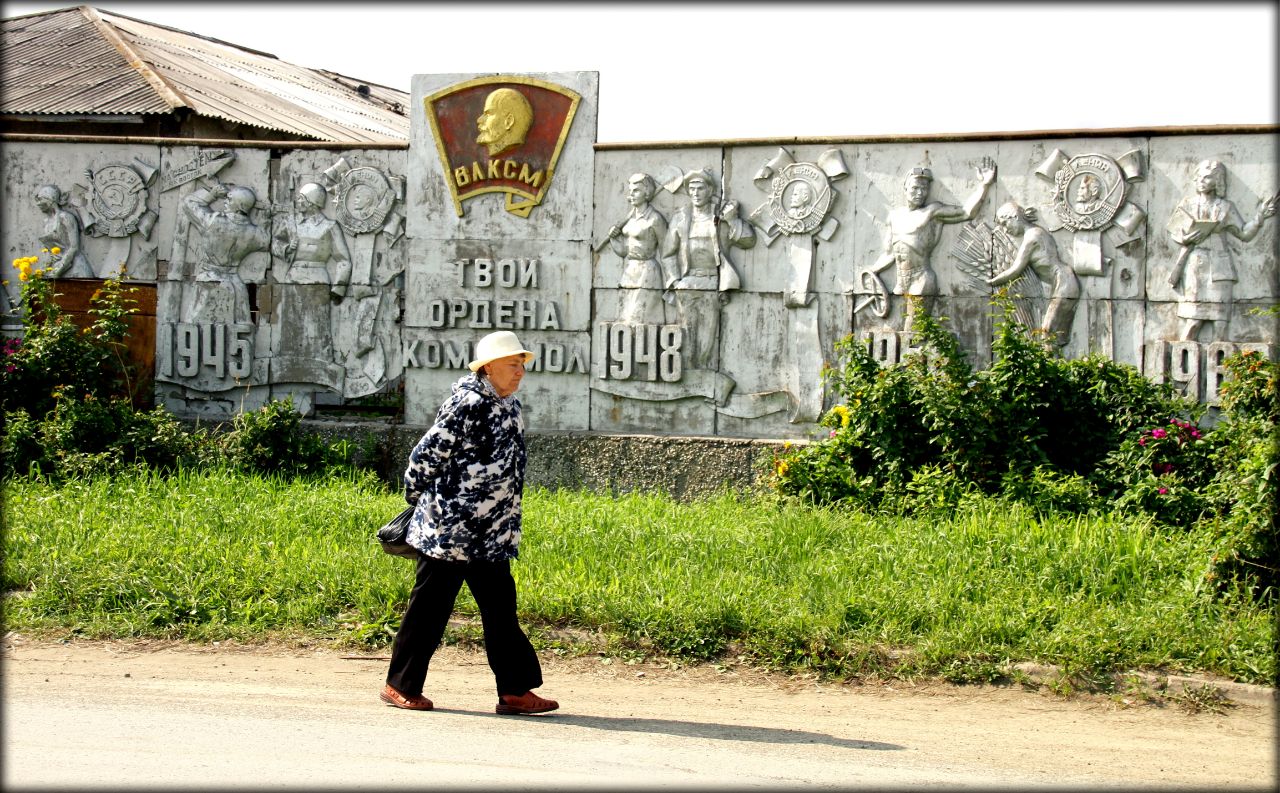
[84, 61]
[60, 62]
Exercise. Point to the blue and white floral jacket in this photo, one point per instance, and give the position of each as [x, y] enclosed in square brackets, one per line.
[466, 476]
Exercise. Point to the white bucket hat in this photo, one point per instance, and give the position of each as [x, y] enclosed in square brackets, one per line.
[497, 345]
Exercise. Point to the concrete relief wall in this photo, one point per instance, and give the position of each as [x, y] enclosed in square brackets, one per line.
[98, 205]
[747, 292]
[499, 220]
[911, 202]
[275, 277]
[1212, 259]
[673, 290]
[1078, 231]
[283, 280]
[801, 202]
[212, 340]
[338, 270]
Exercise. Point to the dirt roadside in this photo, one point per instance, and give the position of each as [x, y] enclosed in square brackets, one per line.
[642, 724]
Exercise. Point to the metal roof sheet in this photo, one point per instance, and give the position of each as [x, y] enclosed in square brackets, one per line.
[59, 62]
[84, 61]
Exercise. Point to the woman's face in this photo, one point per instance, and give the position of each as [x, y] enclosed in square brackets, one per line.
[1207, 180]
[637, 193]
[505, 374]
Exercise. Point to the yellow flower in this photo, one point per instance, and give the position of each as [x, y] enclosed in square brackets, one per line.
[55, 250]
[843, 413]
[782, 467]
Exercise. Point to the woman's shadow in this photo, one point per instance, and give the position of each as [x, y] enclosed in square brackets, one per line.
[723, 732]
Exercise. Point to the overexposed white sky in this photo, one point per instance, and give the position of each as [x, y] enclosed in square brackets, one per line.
[708, 71]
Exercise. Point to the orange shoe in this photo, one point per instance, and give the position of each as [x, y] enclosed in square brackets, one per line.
[392, 697]
[526, 703]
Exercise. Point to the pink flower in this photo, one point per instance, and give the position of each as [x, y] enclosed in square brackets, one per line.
[1195, 433]
[832, 435]
[1163, 491]
[1142, 441]
[1158, 433]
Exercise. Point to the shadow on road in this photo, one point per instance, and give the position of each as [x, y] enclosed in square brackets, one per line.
[695, 729]
[724, 732]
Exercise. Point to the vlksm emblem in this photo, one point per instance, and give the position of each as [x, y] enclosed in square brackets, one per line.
[501, 135]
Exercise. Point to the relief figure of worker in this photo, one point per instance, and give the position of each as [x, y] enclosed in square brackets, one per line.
[61, 231]
[1037, 252]
[914, 231]
[638, 240]
[1204, 273]
[700, 275]
[218, 293]
[312, 271]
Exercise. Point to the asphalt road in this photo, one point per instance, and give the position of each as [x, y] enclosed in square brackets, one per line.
[85, 715]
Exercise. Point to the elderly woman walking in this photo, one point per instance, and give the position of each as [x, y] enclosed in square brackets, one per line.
[465, 477]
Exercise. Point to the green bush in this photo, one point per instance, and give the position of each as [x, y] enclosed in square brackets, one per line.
[67, 401]
[65, 391]
[20, 448]
[90, 437]
[1049, 491]
[157, 440]
[1251, 388]
[1246, 484]
[1244, 494]
[271, 440]
[1163, 471]
[1033, 427]
[83, 424]
[930, 437]
[1182, 475]
[55, 360]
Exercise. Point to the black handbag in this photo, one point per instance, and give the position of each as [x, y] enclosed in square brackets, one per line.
[392, 536]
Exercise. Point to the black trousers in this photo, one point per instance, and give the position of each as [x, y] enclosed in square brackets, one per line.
[511, 657]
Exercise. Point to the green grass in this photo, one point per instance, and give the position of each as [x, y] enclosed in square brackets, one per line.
[219, 555]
